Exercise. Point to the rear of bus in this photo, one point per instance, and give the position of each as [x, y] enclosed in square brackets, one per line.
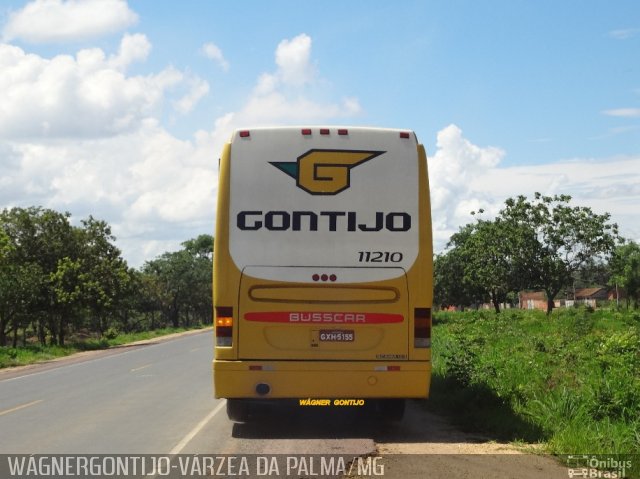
[322, 268]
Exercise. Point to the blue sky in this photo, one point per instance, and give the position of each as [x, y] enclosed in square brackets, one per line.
[119, 109]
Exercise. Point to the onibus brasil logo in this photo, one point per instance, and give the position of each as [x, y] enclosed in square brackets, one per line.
[325, 172]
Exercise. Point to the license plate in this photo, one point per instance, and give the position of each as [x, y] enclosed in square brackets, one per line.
[336, 335]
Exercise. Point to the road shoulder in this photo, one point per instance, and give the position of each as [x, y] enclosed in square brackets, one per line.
[428, 445]
[17, 371]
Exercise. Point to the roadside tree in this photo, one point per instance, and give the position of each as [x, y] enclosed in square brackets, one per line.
[179, 282]
[489, 260]
[625, 269]
[452, 285]
[553, 240]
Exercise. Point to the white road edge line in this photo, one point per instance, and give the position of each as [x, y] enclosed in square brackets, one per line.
[22, 406]
[185, 440]
[140, 367]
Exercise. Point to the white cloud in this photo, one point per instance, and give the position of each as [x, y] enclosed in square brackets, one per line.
[85, 96]
[43, 21]
[623, 112]
[78, 133]
[606, 185]
[213, 52]
[198, 89]
[293, 60]
[464, 177]
[276, 107]
[133, 48]
[281, 97]
[149, 185]
[451, 169]
[294, 71]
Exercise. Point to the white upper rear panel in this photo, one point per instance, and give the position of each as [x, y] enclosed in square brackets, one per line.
[324, 200]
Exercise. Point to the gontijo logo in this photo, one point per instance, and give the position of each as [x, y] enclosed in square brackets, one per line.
[325, 172]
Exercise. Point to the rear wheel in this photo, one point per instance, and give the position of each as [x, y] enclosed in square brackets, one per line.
[238, 410]
[391, 409]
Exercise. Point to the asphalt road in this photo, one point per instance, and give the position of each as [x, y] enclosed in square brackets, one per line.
[157, 399]
[147, 399]
[139, 399]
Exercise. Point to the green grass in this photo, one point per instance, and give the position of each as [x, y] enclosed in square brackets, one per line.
[570, 381]
[35, 353]
[32, 354]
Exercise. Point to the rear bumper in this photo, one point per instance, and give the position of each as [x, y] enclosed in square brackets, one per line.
[322, 379]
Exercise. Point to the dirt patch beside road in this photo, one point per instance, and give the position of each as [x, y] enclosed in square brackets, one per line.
[426, 445]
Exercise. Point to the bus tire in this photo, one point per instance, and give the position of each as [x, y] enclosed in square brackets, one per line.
[391, 410]
[237, 410]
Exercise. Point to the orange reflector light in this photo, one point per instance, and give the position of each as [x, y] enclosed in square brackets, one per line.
[224, 326]
[224, 321]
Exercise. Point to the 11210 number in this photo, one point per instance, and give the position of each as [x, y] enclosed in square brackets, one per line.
[379, 256]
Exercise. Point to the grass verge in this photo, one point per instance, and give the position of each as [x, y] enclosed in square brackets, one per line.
[35, 353]
[570, 381]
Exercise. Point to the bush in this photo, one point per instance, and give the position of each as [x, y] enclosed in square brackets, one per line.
[111, 333]
[577, 370]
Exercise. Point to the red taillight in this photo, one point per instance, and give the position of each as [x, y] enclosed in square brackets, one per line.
[224, 326]
[343, 131]
[245, 134]
[422, 328]
[324, 131]
[404, 134]
[306, 131]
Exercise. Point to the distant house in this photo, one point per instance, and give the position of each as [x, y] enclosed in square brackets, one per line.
[583, 296]
[532, 300]
[591, 293]
[589, 296]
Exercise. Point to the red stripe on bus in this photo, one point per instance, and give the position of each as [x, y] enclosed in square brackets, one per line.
[315, 317]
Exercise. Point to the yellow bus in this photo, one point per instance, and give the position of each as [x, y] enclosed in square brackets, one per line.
[323, 269]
